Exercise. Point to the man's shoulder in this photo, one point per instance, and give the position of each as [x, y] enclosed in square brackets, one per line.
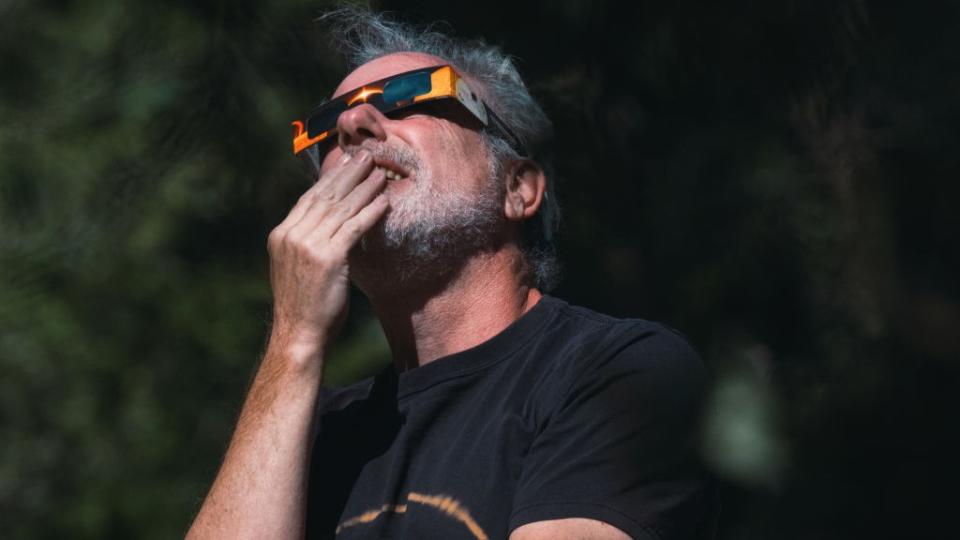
[591, 319]
[600, 336]
[583, 351]
[567, 345]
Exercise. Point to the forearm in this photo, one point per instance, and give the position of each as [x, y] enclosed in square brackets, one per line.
[261, 488]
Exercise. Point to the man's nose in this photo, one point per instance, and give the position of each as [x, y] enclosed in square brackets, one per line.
[360, 123]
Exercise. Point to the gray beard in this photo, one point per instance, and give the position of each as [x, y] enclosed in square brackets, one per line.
[429, 234]
[430, 248]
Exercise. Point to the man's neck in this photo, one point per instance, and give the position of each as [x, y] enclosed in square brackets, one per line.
[484, 298]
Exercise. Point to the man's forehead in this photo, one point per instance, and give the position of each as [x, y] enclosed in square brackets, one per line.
[385, 66]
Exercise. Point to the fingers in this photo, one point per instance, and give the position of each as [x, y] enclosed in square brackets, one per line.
[340, 185]
[331, 187]
[322, 219]
[334, 213]
[352, 229]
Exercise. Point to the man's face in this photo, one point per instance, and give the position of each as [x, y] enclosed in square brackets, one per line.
[443, 199]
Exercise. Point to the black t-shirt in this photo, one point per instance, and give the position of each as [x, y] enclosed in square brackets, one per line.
[566, 413]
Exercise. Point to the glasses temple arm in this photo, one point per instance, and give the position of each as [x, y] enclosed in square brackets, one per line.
[515, 141]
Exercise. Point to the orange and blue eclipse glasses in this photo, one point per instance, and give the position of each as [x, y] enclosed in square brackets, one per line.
[395, 93]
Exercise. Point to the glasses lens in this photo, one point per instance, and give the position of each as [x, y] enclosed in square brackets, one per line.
[326, 118]
[406, 88]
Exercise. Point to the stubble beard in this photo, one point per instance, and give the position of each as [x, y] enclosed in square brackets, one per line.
[430, 230]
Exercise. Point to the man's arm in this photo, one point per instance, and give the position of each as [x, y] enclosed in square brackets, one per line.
[569, 529]
[261, 488]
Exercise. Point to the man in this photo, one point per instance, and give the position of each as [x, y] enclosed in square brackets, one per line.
[506, 413]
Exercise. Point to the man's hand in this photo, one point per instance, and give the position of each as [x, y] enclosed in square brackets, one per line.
[261, 489]
[308, 253]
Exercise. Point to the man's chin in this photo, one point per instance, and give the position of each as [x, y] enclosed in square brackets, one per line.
[379, 243]
[399, 255]
[385, 264]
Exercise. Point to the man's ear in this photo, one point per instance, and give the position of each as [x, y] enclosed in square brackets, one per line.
[526, 184]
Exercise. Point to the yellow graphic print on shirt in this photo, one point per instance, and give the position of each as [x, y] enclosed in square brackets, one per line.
[448, 505]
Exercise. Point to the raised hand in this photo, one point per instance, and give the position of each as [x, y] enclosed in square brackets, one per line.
[309, 254]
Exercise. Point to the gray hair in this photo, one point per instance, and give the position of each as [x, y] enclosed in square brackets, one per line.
[362, 36]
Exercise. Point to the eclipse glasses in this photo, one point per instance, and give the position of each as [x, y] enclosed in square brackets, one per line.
[396, 93]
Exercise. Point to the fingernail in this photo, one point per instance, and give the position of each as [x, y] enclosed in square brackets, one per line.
[344, 158]
[364, 156]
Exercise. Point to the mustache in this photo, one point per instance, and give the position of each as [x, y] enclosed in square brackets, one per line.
[401, 155]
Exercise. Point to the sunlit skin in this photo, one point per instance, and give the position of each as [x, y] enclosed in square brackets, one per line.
[489, 289]
[450, 150]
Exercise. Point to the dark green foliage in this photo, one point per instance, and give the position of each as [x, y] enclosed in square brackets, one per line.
[777, 179]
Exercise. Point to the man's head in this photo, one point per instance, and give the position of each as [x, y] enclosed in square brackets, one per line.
[461, 185]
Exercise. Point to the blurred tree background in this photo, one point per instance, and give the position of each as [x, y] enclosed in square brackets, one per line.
[777, 179]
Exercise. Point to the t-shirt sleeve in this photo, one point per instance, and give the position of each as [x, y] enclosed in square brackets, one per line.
[620, 444]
